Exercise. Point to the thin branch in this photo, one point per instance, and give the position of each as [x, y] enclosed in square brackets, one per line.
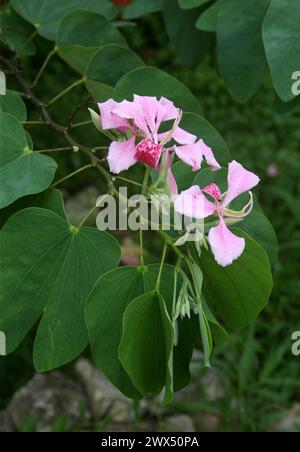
[83, 168]
[65, 91]
[43, 67]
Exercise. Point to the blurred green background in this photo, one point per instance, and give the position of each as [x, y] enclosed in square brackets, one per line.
[258, 371]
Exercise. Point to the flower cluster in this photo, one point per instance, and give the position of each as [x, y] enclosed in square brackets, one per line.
[148, 130]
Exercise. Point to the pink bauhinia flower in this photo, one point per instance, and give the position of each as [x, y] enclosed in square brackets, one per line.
[226, 246]
[139, 123]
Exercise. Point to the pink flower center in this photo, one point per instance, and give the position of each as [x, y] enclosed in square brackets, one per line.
[214, 191]
[149, 153]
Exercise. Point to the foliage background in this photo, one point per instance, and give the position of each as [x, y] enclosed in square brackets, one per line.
[259, 372]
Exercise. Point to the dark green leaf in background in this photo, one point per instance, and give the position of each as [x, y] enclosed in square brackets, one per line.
[22, 171]
[46, 15]
[16, 32]
[48, 268]
[189, 4]
[241, 55]
[208, 20]
[282, 43]
[139, 8]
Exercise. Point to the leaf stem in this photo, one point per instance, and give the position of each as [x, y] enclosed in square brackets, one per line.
[87, 216]
[67, 148]
[43, 67]
[65, 91]
[83, 168]
[161, 266]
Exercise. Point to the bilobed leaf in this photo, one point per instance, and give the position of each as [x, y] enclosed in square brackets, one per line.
[208, 20]
[111, 62]
[150, 81]
[139, 8]
[241, 54]
[104, 315]
[100, 91]
[147, 342]
[50, 199]
[48, 269]
[189, 4]
[22, 171]
[190, 43]
[13, 104]
[46, 15]
[81, 33]
[240, 291]
[282, 43]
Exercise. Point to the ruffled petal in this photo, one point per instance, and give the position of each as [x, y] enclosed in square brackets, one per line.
[171, 179]
[192, 203]
[209, 156]
[109, 120]
[226, 246]
[121, 155]
[171, 112]
[240, 181]
[190, 154]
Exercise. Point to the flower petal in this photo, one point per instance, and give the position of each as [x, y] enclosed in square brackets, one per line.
[209, 156]
[240, 181]
[226, 246]
[121, 155]
[171, 112]
[171, 179]
[190, 154]
[108, 119]
[192, 203]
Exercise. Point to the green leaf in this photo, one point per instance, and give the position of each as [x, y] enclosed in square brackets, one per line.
[104, 314]
[48, 268]
[189, 4]
[282, 43]
[150, 81]
[209, 18]
[240, 291]
[80, 34]
[147, 342]
[13, 104]
[139, 8]
[16, 33]
[99, 91]
[111, 62]
[190, 43]
[219, 334]
[22, 171]
[256, 224]
[50, 199]
[241, 54]
[46, 15]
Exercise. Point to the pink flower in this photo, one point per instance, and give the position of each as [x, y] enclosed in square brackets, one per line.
[139, 122]
[225, 246]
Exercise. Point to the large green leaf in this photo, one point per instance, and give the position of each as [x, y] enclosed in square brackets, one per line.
[13, 104]
[139, 8]
[48, 268]
[16, 33]
[241, 54]
[190, 43]
[240, 291]
[46, 15]
[147, 342]
[189, 4]
[111, 62]
[22, 171]
[80, 34]
[50, 199]
[256, 224]
[150, 81]
[282, 43]
[104, 315]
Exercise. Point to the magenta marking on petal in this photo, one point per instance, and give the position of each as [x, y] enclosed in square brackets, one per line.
[149, 153]
[214, 191]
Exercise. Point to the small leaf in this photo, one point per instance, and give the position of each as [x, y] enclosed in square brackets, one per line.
[190, 4]
[22, 171]
[209, 18]
[147, 342]
[138, 8]
[13, 104]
